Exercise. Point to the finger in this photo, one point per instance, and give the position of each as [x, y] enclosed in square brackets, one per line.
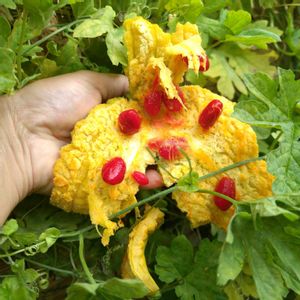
[155, 180]
[108, 85]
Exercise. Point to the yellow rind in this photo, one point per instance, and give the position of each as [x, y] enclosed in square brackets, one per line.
[227, 142]
[134, 263]
[78, 184]
[151, 51]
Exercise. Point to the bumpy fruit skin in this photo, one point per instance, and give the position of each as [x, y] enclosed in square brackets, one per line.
[152, 102]
[114, 170]
[204, 63]
[155, 56]
[140, 178]
[225, 186]
[129, 121]
[210, 114]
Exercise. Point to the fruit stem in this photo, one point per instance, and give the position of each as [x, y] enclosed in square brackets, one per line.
[231, 200]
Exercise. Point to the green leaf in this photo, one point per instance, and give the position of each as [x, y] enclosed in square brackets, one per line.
[270, 253]
[83, 8]
[231, 261]
[69, 59]
[228, 80]
[9, 227]
[82, 291]
[212, 27]
[115, 48]
[196, 275]
[7, 70]
[174, 262]
[112, 289]
[14, 38]
[8, 3]
[254, 37]
[237, 20]
[4, 31]
[271, 104]
[101, 23]
[39, 14]
[189, 9]
[21, 285]
[124, 288]
[49, 236]
[211, 6]
[230, 63]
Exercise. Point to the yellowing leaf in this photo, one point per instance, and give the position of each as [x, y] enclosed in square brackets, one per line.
[230, 63]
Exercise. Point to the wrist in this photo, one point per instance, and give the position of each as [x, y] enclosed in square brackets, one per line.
[15, 162]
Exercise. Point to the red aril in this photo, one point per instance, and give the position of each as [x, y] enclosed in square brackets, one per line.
[169, 148]
[152, 102]
[174, 104]
[129, 121]
[204, 63]
[210, 114]
[154, 144]
[114, 170]
[185, 60]
[225, 186]
[140, 178]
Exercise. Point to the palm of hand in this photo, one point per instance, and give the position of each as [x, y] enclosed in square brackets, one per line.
[46, 111]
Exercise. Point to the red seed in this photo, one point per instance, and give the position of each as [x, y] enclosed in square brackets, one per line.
[225, 186]
[210, 114]
[140, 178]
[169, 148]
[204, 63]
[129, 121]
[185, 60]
[154, 144]
[152, 102]
[174, 104]
[113, 171]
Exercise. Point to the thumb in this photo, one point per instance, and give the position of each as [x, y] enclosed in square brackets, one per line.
[108, 85]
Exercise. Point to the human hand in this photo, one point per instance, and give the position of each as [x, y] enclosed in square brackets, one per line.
[39, 119]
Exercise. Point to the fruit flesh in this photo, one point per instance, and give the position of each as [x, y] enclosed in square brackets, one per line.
[134, 263]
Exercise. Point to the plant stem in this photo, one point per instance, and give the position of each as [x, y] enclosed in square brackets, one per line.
[83, 262]
[78, 232]
[142, 202]
[41, 41]
[227, 168]
[172, 189]
[231, 200]
[160, 164]
[188, 160]
[274, 143]
[22, 250]
[62, 271]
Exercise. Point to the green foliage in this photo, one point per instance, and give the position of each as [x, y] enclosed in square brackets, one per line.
[112, 289]
[245, 41]
[195, 274]
[270, 252]
[22, 285]
[271, 104]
